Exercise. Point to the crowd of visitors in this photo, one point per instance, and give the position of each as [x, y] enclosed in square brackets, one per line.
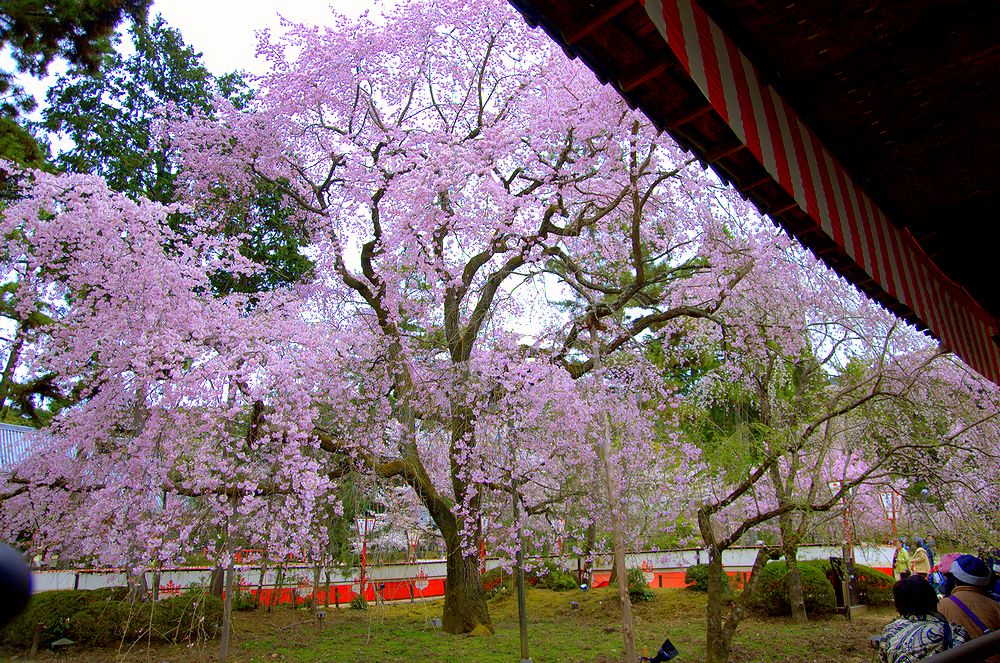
[918, 562]
[940, 605]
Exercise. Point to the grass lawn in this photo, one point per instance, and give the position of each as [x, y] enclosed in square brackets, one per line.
[556, 632]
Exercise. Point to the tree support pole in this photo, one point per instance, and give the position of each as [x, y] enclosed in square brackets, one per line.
[617, 530]
[522, 609]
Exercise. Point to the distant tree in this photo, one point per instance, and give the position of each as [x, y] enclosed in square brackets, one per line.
[38, 32]
[116, 126]
[110, 123]
[816, 386]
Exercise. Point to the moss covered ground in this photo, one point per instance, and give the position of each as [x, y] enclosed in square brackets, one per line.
[557, 632]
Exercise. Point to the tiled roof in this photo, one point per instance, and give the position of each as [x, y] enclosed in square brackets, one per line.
[14, 444]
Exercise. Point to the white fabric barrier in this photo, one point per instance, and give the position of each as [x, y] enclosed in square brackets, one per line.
[175, 580]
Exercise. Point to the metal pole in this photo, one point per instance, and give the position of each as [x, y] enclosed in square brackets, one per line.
[894, 502]
[849, 544]
[972, 651]
[227, 602]
[482, 548]
[848, 560]
[522, 611]
[364, 554]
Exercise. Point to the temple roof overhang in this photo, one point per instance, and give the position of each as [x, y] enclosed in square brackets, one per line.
[868, 129]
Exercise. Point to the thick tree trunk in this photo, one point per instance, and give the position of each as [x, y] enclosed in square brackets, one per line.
[793, 581]
[790, 544]
[614, 510]
[717, 650]
[721, 630]
[628, 631]
[464, 600]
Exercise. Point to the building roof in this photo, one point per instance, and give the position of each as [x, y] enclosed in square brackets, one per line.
[14, 444]
[866, 128]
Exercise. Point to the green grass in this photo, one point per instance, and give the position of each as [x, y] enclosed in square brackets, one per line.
[556, 632]
[559, 633]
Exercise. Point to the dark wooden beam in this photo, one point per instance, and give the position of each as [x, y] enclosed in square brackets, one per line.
[573, 36]
[637, 80]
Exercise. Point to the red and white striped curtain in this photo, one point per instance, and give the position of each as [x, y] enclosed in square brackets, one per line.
[796, 159]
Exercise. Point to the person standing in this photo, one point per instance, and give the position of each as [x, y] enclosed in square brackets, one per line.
[920, 563]
[967, 605]
[928, 546]
[900, 561]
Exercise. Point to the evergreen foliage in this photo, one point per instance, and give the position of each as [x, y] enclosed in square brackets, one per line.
[696, 578]
[557, 579]
[102, 618]
[771, 597]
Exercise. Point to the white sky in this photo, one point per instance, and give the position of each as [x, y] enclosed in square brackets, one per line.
[224, 31]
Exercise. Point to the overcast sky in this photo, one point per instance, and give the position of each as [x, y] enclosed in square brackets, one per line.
[224, 30]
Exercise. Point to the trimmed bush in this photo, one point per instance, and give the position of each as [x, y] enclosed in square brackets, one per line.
[190, 617]
[53, 610]
[108, 594]
[696, 578]
[101, 623]
[874, 587]
[772, 594]
[557, 579]
[95, 618]
[638, 588]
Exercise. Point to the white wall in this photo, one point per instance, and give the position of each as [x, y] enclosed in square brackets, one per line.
[736, 559]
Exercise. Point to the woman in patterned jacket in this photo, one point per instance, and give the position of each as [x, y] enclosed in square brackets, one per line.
[920, 630]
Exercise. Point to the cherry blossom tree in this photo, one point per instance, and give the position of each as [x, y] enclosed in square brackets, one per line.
[506, 258]
[814, 387]
[172, 386]
[449, 163]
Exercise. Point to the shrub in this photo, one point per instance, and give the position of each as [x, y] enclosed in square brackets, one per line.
[54, 610]
[772, 594]
[638, 588]
[96, 618]
[359, 603]
[101, 623]
[108, 594]
[186, 618]
[494, 582]
[874, 587]
[696, 578]
[244, 601]
[557, 579]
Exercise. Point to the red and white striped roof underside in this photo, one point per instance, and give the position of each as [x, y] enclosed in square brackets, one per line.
[796, 159]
